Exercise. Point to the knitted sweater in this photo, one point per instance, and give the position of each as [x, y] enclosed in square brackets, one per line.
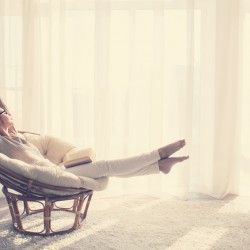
[17, 148]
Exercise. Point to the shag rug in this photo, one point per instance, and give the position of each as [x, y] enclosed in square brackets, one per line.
[138, 221]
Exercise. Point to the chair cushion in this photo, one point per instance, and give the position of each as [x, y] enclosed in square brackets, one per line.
[52, 148]
[53, 176]
[55, 150]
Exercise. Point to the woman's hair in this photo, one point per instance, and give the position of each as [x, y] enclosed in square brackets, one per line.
[12, 130]
[2, 132]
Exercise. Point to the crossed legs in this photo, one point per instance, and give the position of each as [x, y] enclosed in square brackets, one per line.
[148, 163]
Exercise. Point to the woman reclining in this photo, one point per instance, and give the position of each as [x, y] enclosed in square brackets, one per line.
[154, 162]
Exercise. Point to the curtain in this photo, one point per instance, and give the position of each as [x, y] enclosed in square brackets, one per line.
[126, 77]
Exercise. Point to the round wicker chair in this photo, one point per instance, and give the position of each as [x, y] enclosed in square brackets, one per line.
[17, 188]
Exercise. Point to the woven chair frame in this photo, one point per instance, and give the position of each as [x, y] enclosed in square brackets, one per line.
[27, 190]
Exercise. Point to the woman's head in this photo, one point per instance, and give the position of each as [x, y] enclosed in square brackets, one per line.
[7, 127]
[6, 122]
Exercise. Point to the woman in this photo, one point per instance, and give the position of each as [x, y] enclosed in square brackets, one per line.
[150, 163]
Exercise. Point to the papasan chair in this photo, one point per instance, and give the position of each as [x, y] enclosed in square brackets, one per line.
[24, 184]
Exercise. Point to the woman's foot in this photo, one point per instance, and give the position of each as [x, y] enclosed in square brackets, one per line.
[168, 150]
[166, 164]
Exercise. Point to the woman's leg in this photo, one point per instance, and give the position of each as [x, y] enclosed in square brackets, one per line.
[147, 170]
[149, 163]
[127, 166]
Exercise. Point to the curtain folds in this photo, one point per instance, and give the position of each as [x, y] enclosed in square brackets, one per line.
[126, 77]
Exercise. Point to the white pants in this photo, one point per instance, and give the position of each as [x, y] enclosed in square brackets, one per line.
[143, 164]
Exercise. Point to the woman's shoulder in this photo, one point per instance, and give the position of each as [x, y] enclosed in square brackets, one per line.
[5, 142]
[11, 139]
[3, 138]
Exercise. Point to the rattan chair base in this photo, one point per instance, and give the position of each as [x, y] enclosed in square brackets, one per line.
[49, 204]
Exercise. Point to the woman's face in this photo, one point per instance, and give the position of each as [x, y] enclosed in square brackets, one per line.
[6, 120]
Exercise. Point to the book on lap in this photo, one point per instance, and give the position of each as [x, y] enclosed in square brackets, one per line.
[78, 156]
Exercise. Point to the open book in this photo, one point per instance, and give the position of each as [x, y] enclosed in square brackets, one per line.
[78, 156]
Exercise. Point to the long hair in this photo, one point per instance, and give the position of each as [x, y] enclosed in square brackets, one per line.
[12, 130]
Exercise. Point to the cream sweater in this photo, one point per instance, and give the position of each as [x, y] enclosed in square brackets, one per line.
[17, 148]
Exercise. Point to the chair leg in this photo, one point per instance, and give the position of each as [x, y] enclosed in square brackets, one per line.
[17, 214]
[47, 216]
[11, 209]
[81, 200]
[87, 206]
[75, 205]
[78, 212]
[26, 207]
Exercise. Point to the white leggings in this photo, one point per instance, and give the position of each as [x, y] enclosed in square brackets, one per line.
[143, 164]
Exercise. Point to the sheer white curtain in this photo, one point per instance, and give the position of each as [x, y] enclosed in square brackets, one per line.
[126, 77]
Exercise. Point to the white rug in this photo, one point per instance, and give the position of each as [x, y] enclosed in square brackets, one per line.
[135, 222]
